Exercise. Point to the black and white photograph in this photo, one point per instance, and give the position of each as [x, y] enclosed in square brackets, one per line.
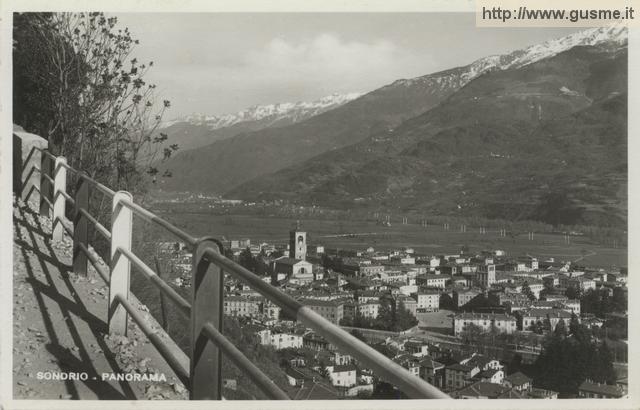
[316, 205]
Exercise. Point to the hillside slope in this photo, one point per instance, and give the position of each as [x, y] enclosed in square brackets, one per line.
[545, 141]
[226, 164]
[197, 130]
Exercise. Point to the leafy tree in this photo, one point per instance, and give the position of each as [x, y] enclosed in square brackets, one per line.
[404, 319]
[605, 364]
[561, 329]
[384, 390]
[515, 364]
[573, 292]
[386, 314]
[576, 329]
[246, 259]
[619, 300]
[565, 362]
[358, 335]
[265, 357]
[471, 334]
[536, 327]
[77, 84]
[526, 290]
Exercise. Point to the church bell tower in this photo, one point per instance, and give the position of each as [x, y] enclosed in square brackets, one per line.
[297, 243]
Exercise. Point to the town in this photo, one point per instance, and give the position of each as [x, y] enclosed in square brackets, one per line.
[475, 325]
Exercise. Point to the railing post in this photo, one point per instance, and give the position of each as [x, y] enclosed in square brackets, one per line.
[80, 227]
[206, 307]
[46, 190]
[59, 201]
[121, 231]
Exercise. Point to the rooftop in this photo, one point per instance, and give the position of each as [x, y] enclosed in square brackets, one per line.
[487, 316]
[484, 389]
[344, 368]
[289, 261]
[601, 388]
[518, 378]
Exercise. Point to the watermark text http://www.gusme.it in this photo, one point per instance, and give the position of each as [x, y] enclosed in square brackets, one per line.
[545, 13]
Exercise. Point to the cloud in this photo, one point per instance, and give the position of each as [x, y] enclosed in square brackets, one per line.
[286, 69]
[328, 60]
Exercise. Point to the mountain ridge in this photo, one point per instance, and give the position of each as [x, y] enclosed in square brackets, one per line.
[254, 161]
[508, 110]
[273, 112]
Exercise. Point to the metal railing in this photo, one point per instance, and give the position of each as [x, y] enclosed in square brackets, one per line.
[202, 375]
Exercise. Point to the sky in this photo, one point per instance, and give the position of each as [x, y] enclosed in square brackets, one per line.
[216, 63]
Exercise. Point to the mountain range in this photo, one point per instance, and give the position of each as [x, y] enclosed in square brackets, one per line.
[539, 133]
[196, 130]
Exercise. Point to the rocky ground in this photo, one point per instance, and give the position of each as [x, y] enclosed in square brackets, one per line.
[60, 330]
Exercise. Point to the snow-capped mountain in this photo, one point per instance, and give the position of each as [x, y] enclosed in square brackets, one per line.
[269, 115]
[381, 122]
[612, 36]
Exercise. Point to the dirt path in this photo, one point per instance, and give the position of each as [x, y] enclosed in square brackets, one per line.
[59, 328]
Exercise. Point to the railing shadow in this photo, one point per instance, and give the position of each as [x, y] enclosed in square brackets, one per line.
[47, 260]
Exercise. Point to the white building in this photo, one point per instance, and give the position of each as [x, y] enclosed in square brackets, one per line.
[279, 340]
[503, 323]
[428, 301]
[342, 375]
[369, 309]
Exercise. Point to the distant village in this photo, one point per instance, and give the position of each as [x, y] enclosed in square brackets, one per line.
[432, 314]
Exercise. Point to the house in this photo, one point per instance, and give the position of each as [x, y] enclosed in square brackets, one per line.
[409, 303]
[342, 359]
[594, 390]
[482, 362]
[342, 375]
[417, 348]
[485, 390]
[449, 269]
[503, 323]
[427, 300]
[432, 371]
[491, 376]
[580, 282]
[294, 359]
[333, 358]
[518, 381]
[294, 377]
[331, 310]
[285, 340]
[432, 281]
[551, 281]
[242, 306]
[369, 309]
[368, 295]
[462, 297]
[316, 342]
[270, 310]
[459, 375]
[486, 275]
[409, 362]
[536, 393]
[533, 316]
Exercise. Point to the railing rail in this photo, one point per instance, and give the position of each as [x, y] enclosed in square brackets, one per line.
[203, 373]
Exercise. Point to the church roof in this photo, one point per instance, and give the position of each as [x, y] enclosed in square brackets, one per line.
[289, 261]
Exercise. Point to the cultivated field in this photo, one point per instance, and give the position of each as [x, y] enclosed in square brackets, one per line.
[346, 234]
